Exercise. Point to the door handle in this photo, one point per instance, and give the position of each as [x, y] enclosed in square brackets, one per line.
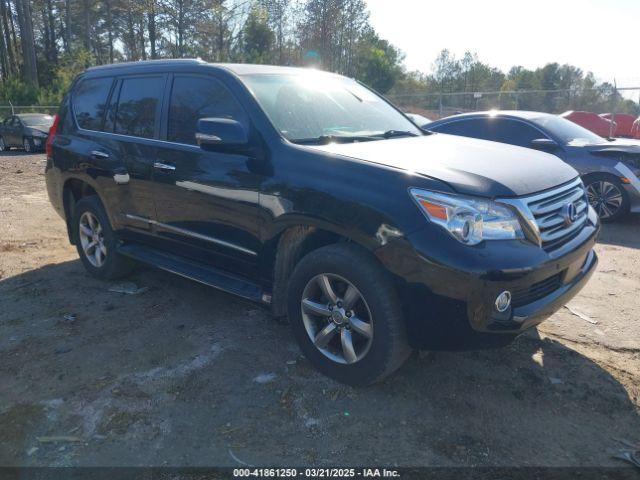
[164, 166]
[99, 154]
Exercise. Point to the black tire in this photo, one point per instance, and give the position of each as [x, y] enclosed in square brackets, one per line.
[27, 144]
[3, 146]
[388, 348]
[114, 265]
[594, 184]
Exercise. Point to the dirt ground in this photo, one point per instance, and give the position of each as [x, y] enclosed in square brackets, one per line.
[182, 374]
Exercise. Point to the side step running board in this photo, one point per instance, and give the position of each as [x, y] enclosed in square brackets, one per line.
[194, 271]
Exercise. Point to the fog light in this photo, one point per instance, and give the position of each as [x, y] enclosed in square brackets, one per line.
[503, 301]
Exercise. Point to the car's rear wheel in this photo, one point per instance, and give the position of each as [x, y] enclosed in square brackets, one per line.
[27, 144]
[346, 316]
[96, 242]
[608, 197]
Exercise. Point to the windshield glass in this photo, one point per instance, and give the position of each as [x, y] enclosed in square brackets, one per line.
[37, 120]
[315, 105]
[567, 131]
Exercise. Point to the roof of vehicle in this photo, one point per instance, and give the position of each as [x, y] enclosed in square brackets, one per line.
[236, 68]
[521, 114]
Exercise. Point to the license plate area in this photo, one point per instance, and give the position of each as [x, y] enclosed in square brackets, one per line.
[574, 269]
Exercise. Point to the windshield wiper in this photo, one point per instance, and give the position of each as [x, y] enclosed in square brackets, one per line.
[397, 133]
[325, 139]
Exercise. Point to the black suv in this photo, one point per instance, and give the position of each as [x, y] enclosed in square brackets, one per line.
[310, 193]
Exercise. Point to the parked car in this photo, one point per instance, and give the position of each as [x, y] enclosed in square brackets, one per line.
[623, 121]
[609, 168]
[418, 119]
[311, 194]
[592, 122]
[26, 130]
[635, 129]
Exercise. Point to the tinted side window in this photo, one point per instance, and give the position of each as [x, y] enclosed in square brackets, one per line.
[138, 106]
[476, 128]
[514, 133]
[494, 129]
[193, 98]
[89, 102]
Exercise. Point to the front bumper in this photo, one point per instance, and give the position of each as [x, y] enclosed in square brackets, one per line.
[448, 290]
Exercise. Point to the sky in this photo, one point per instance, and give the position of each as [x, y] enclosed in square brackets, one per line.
[601, 36]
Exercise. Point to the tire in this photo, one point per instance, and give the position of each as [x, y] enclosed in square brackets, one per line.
[3, 146]
[607, 196]
[102, 260]
[375, 329]
[27, 144]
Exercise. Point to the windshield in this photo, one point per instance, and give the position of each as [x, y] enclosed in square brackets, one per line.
[37, 120]
[315, 105]
[567, 131]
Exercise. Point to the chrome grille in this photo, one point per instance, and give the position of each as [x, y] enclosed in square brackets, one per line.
[549, 211]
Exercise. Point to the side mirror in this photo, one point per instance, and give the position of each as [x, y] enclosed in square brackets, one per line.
[220, 132]
[544, 144]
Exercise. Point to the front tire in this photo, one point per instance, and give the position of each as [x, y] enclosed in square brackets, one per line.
[27, 144]
[346, 316]
[608, 197]
[96, 242]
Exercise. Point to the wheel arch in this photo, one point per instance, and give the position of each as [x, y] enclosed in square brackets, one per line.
[73, 190]
[282, 253]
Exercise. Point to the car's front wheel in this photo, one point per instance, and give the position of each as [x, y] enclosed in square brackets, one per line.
[96, 242]
[27, 144]
[607, 196]
[346, 316]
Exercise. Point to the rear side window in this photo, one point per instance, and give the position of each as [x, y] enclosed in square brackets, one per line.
[193, 98]
[138, 105]
[90, 101]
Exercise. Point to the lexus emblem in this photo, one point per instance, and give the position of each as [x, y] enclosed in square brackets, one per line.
[569, 213]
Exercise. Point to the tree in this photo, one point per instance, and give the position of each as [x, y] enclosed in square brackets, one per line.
[257, 37]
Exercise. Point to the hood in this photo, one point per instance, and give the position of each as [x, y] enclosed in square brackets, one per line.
[469, 166]
[39, 128]
[618, 145]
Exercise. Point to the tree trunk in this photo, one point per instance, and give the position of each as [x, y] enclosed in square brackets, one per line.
[110, 30]
[27, 41]
[87, 25]
[67, 26]
[151, 28]
[143, 50]
[9, 45]
[52, 32]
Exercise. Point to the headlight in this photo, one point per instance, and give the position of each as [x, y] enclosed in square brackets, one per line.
[469, 220]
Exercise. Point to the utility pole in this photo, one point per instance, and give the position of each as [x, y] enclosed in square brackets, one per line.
[615, 105]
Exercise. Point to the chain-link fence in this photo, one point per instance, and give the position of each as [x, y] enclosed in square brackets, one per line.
[8, 110]
[438, 105]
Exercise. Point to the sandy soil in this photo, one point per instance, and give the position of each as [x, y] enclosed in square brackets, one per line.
[185, 375]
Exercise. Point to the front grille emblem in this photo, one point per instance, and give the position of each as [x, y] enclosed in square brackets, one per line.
[569, 213]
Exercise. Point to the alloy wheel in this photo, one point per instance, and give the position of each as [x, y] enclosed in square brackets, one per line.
[337, 318]
[605, 198]
[92, 239]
